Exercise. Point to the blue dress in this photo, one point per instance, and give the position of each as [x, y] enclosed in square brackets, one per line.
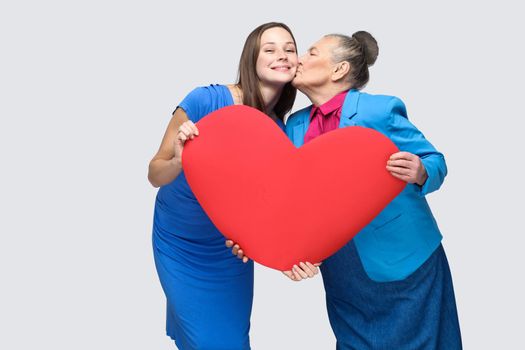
[209, 291]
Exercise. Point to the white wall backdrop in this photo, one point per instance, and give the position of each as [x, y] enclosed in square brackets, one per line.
[86, 91]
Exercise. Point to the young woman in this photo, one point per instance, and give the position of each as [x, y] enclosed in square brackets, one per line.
[209, 293]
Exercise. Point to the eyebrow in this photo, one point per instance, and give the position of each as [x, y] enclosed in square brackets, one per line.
[274, 43]
[313, 48]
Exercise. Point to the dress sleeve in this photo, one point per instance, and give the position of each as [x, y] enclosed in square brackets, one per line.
[408, 138]
[196, 103]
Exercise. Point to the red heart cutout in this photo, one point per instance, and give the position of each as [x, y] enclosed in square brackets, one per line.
[284, 205]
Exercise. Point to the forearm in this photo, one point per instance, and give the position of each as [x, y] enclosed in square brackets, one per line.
[409, 139]
[436, 169]
[161, 171]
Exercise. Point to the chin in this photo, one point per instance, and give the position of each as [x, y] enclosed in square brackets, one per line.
[296, 83]
[283, 80]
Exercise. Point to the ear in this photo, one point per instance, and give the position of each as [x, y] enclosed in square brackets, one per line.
[340, 71]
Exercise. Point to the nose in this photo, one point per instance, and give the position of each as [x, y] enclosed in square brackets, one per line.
[301, 59]
[281, 55]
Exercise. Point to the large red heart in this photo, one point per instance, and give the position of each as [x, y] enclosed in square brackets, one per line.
[284, 205]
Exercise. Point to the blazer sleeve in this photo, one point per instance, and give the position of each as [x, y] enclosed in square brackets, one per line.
[409, 139]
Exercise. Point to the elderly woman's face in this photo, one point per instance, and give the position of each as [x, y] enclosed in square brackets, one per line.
[315, 67]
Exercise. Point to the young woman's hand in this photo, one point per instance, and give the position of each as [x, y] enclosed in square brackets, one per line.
[236, 250]
[187, 131]
[166, 165]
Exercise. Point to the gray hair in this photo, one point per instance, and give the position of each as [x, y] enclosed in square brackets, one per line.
[360, 51]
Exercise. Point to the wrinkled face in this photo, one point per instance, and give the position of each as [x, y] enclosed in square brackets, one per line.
[277, 61]
[316, 65]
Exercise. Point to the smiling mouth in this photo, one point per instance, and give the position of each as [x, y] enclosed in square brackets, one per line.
[281, 68]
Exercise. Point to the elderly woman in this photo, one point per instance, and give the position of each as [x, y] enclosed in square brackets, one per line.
[390, 287]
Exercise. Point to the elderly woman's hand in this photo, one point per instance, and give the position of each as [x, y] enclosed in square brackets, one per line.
[302, 271]
[407, 167]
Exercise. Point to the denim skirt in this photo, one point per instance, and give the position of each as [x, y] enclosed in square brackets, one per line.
[418, 312]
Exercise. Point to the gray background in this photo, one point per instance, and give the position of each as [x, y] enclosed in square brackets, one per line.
[87, 89]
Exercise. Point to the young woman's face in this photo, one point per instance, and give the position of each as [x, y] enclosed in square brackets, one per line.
[315, 66]
[277, 61]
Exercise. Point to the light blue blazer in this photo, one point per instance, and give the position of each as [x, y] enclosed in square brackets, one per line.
[405, 233]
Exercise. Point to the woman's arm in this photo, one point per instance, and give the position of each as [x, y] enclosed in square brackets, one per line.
[166, 165]
[422, 163]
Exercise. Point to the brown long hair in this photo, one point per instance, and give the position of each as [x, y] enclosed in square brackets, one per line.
[248, 80]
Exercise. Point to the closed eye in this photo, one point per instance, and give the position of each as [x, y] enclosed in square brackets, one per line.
[312, 51]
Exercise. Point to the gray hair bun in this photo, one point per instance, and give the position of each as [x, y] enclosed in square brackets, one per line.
[368, 45]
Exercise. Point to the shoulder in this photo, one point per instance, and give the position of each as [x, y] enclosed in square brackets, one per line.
[296, 117]
[381, 105]
[380, 101]
[205, 99]
[204, 93]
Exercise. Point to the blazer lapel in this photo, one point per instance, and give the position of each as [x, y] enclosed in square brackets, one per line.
[300, 129]
[349, 108]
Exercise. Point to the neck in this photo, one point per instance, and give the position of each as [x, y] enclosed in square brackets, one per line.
[270, 95]
[320, 95]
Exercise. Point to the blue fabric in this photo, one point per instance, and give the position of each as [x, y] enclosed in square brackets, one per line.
[403, 236]
[417, 313]
[209, 291]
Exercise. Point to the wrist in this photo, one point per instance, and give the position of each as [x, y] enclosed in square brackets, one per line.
[422, 179]
[176, 162]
